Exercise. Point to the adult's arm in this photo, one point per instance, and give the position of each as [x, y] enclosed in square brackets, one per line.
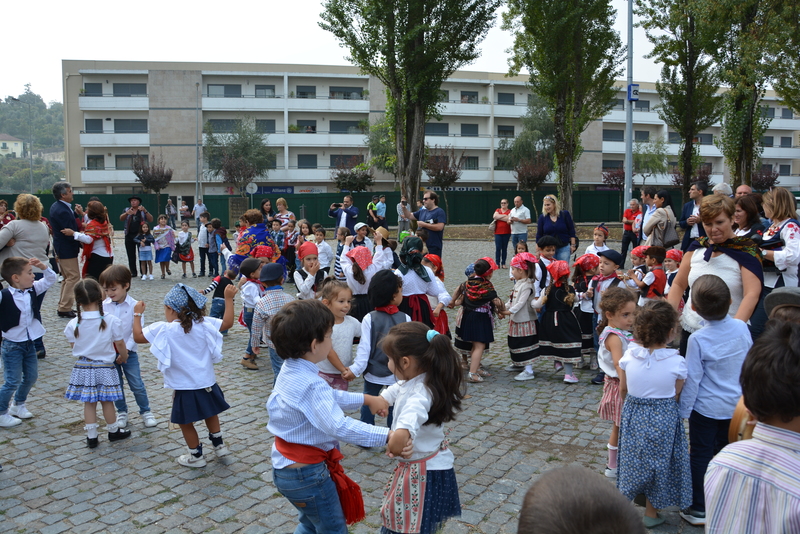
[751, 289]
[500, 216]
[659, 215]
[685, 214]
[525, 221]
[437, 227]
[540, 227]
[352, 212]
[6, 234]
[681, 282]
[333, 213]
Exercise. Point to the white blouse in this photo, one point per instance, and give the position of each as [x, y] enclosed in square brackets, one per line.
[723, 266]
[414, 285]
[382, 259]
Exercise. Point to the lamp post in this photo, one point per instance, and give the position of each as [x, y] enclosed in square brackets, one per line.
[30, 132]
[632, 96]
[197, 141]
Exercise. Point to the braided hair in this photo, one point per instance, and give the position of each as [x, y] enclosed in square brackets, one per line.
[88, 291]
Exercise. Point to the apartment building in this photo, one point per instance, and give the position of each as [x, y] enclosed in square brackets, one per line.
[314, 117]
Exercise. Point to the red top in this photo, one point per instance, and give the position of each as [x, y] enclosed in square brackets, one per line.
[502, 227]
[630, 215]
[656, 289]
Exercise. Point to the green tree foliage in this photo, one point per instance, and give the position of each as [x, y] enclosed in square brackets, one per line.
[444, 168]
[381, 146]
[537, 136]
[238, 157]
[153, 174]
[573, 56]
[48, 120]
[15, 175]
[412, 46]
[352, 175]
[650, 158]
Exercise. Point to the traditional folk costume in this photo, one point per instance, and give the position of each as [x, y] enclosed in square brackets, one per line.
[523, 336]
[476, 322]
[164, 243]
[369, 265]
[584, 309]
[97, 251]
[418, 282]
[560, 335]
[610, 408]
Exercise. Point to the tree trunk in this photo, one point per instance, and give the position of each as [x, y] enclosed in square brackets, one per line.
[686, 167]
[533, 206]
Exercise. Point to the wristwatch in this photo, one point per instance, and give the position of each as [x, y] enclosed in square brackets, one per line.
[763, 253]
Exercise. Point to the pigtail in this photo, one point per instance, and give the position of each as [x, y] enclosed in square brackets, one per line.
[102, 316]
[444, 379]
[569, 298]
[358, 274]
[189, 315]
[532, 271]
[578, 275]
[78, 323]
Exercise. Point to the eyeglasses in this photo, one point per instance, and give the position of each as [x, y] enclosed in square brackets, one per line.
[503, 202]
[426, 198]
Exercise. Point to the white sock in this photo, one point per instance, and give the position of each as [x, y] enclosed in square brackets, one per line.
[91, 430]
[529, 369]
[113, 427]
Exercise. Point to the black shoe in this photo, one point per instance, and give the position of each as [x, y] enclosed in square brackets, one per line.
[599, 379]
[120, 434]
[201, 274]
[92, 442]
[41, 355]
[693, 516]
[67, 314]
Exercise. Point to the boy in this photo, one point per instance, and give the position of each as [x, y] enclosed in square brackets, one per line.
[714, 357]
[251, 290]
[276, 233]
[306, 418]
[654, 283]
[221, 237]
[547, 247]
[218, 286]
[610, 261]
[380, 209]
[341, 236]
[672, 263]
[267, 306]
[213, 251]
[752, 485]
[202, 240]
[324, 251]
[309, 277]
[21, 323]
[116, 281]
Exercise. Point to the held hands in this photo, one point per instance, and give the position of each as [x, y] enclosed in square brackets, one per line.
[408, 449]
[589, 294]
[348, 375]
[69, 232]
[376, 405]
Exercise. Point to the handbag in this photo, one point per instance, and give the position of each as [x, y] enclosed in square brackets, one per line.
[493, 225]
[666, 237]
[176, 257]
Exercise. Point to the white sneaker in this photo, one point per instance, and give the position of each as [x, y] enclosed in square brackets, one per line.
[7, 420]
[611, 473]
[20, 411]
[150, 277]
[222, 450]
[149, 419]
[524, 375]
[144, 277]
[122, 419]
[190, 460]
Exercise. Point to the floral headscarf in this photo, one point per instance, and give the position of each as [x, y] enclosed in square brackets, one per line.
[639, 251]
[360, 255]
[521, 260]
[587, 262]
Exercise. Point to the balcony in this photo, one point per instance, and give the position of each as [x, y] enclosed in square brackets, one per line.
[114, 103]
[639, 117]
[323, 139]
[111, 139]
[211, 103]
[477, 109]
[459, 142]
[277, 103]
[109, 175]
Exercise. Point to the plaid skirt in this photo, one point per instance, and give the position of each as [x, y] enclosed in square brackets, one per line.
[610, 408]
[93, 381]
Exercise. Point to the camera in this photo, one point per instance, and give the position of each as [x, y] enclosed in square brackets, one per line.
[337, 205]
[404, 202]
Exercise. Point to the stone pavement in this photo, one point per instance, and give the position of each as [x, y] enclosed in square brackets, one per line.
[508, 434]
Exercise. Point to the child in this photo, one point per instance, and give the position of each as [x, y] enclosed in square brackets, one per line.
[20, 322]
[274, 298]
[639, 266]
[336, 369]
[385, 293]
[434, 263]
[308, 277]
[422, 233]
[521, 247]
[427, 395]
[419, 282]
[94, 338]
[306, 418]
[218, 286]
[359, 265]
[672, 263]
[714, 357]
[213, 252]
[187, 345]
[653, 453]
[560, 337]
[547, 246]
[252, 290]
[599, 236]
[185, 252]
[361, 239]
[203, 242]
[341, 235]
[477, 320]
[116, 280]
[606, 277]
[585, 268]
[652, 285]
[164, 244]
[759, 475]
[523, 336]
[276, 234]
[618, 309]
[144, 241]
[304, 234]
[290, 238]
[223, 245]
[324, 252]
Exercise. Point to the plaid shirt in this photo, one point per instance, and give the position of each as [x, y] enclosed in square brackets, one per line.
[267, 306]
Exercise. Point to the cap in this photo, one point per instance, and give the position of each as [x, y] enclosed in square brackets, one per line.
[271, 272]
[612, 255]
[782, 296]
[359, 226]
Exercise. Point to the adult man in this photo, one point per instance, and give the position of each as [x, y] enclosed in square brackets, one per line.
[199, 209]
[722, 189]
[629, 237]
[133, 218]
[403, 224]
[432, 218]
[743, 190]
[372, 212]
[345, 214]
[520, 218]
[62, 216]
[648, 207]
[690, 216]
[172, 213]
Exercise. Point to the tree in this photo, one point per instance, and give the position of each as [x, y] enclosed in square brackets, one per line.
[764, 179]
[153, 174]
[650, 158]
[412, 46]
[444, 168]
[240, 156]
[352, 175]
[381, 146]
[48, 120]
[535, 138]
[615, 179]
[574, 56]
[531, 173]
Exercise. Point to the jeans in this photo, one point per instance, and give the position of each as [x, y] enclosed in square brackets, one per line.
[218, 310]
[563, 253]
[213, 264]
[516, 238]
[434, 249]
[171, 221]
[203, 255]
[248, 320]
[629, 238]
[311, 490]
[131, 249]
[706, 438]
[366, 415]
[20, 371]
[277, 364]
[501, 248]
[134, 377]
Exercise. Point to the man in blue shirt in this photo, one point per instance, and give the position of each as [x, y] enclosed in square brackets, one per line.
[380, 209]
[432, 218]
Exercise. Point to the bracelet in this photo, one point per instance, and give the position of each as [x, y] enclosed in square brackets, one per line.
[138, 315]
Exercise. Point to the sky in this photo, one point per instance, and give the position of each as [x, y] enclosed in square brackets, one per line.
[270, 31]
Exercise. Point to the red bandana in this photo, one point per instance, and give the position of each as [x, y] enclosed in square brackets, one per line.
[391, 309]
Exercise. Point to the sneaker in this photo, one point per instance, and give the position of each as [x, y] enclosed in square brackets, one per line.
[119, 435]
[92, 442]
[149, 419]
[41, 355]
[570, 379]
[514, 368]
[194, 275]
[122, 419]
[222, 450]
[183, 275]
[558, 366]
[7, 420]
[144, 277]
[524, 375]
[150, 277]
[190, 460]
[202, 274]
[599, 378]
[694, 517]
[247, 363]
[20, 411]
[611, 473]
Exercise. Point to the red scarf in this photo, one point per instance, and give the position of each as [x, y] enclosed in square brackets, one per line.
[600, 278]
[96, 230]
[391, 309]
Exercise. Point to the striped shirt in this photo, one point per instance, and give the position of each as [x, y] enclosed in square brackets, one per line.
[304, 409]
[754, 485]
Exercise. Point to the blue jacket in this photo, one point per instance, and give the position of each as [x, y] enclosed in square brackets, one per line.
[62, 217]
[350, 221]
[688, 208]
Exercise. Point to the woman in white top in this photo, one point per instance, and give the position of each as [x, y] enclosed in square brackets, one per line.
[359, 265]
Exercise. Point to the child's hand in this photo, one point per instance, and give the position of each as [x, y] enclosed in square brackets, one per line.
[139, 307]
[348, 374]
[37, 263]
[120, 360]
[313, 268]
[375, 404]
[378, 238]
[408, 448]
[589, 294]
[230, 291]
[382, 413]
[349, 240]
[255, 349]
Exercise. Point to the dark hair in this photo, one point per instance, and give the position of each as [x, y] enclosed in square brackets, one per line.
[59, 188]
[701, 186]
[229, 273]
[275, 221]
[659, 253]
[771, 372]
[612, 301]
[548, 241]
[750, 205]
[115, 275]
[216, 223]
[711, 297]
[663, 193]
[88, 291]
[297, 325]
[261, 207]
[654, 323]
[577, 274]
[650, 191]
[422, 233]
[437, 359]
[575, 499]
[481, 267]
[382, 288]
[786, 312]
[205, 215]
[319, 230]
[190, 314]
[249, 266]
[392, 244]
[12, 266]
[316, 226]
[331, 287]
[96, 211]
[523, 243]
[343, 230]
[433, 196]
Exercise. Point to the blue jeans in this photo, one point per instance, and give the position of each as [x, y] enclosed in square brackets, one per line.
[311, 490]
[171, 221]
[248, 320]
[707, 437]
[134, 377]
[277, 364]
[218, 311]
[516, 238]
[366, 415]
[501, 248]
[20, 371]
[562, 254]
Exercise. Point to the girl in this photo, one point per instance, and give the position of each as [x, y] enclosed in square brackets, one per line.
[618, 306]
[440, 322]
[521, 247]
[671, 265]
[187, 345]
[523, 338]
[359, 265]
[428, 393]
[185, 252]
[653, 452]
[585, 268]
[145, 242]
[418, 282]
[341, 235]
[96, 341]
[361, 239]
[599, 236]
[308, 278]
[560, 337]
[336, 369]
[304, 233]
[164, 238]
[290, 239]
[477, 320]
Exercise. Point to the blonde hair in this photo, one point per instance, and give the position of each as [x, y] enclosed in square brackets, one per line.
[554, 200]
[28, 207]
[280, 201]
[713, 205]
[781, 203]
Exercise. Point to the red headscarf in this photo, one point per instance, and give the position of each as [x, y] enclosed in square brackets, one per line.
[639, 251]
[558, 271]
[521, 260]
[587, 262]
[308, 247]
[675, 254]
[360, 255]
[437, 262]
[492, 265]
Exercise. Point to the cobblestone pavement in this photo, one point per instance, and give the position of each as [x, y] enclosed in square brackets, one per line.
[509, 433]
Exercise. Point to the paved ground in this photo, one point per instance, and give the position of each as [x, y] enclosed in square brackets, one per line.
[508, 434]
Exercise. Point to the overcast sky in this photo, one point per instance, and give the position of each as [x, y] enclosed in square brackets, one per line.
[244, 32]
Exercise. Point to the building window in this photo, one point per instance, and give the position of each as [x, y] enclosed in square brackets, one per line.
[768, 112]
[641, 105]
[95, 162]
[346, 93]
[674, 138]
[345, 127]
[767, 140]
[93, 126]
[471, 163]
[766, 168]
[265, 91]
[444, 95]
[130, 89]
[705, 139]
[265, 126]
[673, 166]
[612, 164]
[306, 91]
[706, 167]
[505, 131]
[437, 129]
[784, 170]
[786, 142]
[307, 126]
[344, 160]
[617, 103]
[93, 89]
[306, 161]
[469, 97]
[224, 91]
[126, 162]
[469, 130]
[223, 125]
[613, 135]
[640, 135]
[786, 113]
[130, 125]
[505, 99]
[4, 146]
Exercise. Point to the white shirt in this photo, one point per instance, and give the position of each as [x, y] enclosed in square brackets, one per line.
[695, 232]
[646, 215]
[788, 257]
[124, 312]
[364, 349]
[605, 360]
[652, 375]
[594, 249]
[93, 343]
[28, 328]
[414, 285]
[202, 237]
[305, 287]
[183, 237]
[382, 259]
[98, 245]
[343, 335]
[648, 279]
[199, 209]
[250, 293]
[186, 360]
[324, 254]
[412, 401]
[520, 213]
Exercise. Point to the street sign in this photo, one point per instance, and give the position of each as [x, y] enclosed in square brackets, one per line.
[251, 188]
[633, 92]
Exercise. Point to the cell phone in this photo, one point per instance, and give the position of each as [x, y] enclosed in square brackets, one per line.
[404, 202]
[337, 205]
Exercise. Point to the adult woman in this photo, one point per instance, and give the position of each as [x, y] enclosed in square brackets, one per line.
[254, 242]
[185, 211]
[502, 233]
[283, 215]
[557, 223]
[746, 218]
[663, 216]
[267, 212]
[629, 236]
[5, 216]
[96, 238]
[721, 252]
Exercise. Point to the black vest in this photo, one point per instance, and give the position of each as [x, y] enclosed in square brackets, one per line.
[382, 322]
[10, 314]
[318, 278]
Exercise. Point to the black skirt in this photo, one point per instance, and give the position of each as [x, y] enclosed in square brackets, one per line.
[477, 326]
[192, 405]
[359, 307]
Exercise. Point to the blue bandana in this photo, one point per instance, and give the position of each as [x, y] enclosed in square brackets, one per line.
[178, 297]
[470, 270]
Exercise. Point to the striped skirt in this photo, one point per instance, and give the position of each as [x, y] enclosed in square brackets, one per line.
[610, 408]
[93, 381]
[523, 342]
